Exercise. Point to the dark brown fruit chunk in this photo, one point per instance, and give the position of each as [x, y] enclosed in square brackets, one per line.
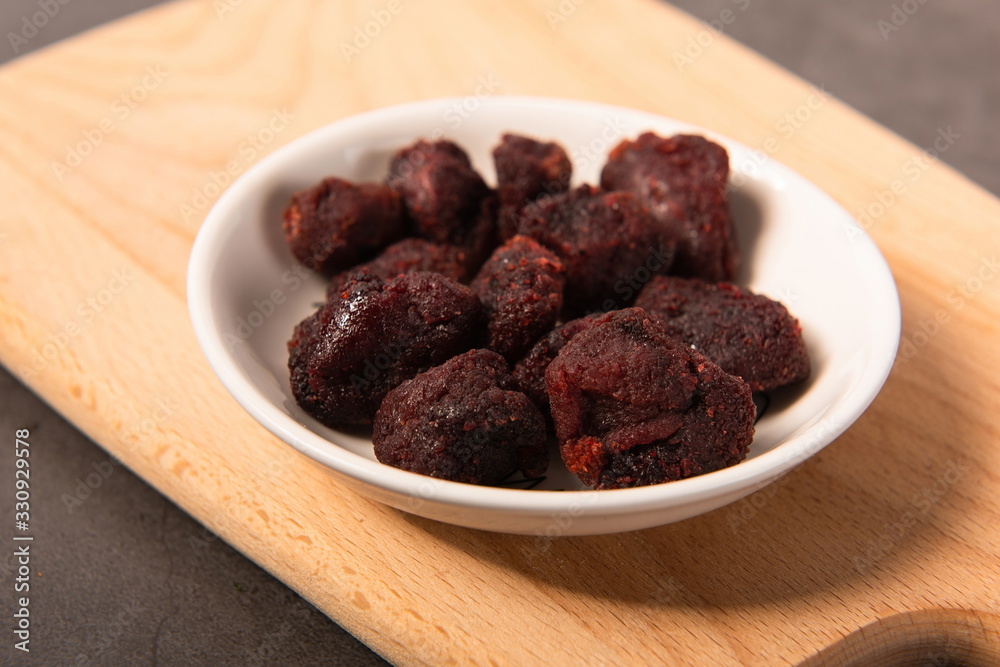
[633, 407]
[336, 224]
[374, 334]
[462, 421]
[410, 256]
[608, 242]
[521, 289]
[441, 191]
[683, 180]
[526, 170]
[480, 238]
[530, 371]
[746, 334]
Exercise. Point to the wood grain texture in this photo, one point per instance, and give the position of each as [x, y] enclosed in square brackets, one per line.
[898, 515]
[931, 637]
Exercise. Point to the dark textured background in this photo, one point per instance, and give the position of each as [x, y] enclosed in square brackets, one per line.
[128, 578]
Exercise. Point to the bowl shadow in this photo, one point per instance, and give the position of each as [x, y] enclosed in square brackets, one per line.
[748, 222]
[823, 527]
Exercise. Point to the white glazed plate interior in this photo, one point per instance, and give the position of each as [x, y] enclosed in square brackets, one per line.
[246, 293]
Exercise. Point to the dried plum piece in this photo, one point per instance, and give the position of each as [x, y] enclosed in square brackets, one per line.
[441, 192]
[683, 181]
[746, 334]
[633, 406]
[479, 239]
[463, 421]
[527, 169]
[607, 241]
[410, 256]
[335, 224]
[521, 289]
[374, 334]
[530, 370]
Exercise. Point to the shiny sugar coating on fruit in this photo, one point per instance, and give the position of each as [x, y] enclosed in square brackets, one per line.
[374, 334]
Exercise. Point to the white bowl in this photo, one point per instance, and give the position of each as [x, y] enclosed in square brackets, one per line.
[246, 293]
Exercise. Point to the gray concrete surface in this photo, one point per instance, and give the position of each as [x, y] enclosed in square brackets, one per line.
[128, 578]
[937, 68]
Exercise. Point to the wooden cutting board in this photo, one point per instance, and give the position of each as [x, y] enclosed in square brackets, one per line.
[113, 146]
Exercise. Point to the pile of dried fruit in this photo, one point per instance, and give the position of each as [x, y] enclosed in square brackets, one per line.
[462, 321]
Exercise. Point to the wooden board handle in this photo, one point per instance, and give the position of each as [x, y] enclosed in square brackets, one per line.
[933, 637]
